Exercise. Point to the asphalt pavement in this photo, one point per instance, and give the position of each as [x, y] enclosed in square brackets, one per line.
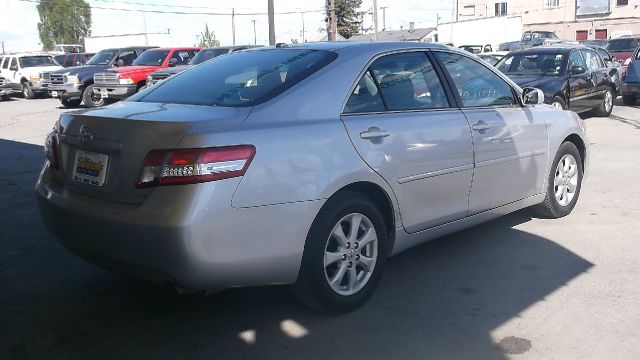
[517, 287]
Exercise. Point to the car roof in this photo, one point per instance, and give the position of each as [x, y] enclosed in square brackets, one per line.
[552, 48]
[130, 48]
[178, 48]
[364, 45]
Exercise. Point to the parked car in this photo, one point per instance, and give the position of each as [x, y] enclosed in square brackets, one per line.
[119, 83]
[492, 57]
[622, 48]
[307, 164]
[202, 56]
[572, 77]
[612, 62]
[477, 49]
[73, 59]
[74, 85]
[531, 39]
[631, 84]
[5, 88]
[24, 71]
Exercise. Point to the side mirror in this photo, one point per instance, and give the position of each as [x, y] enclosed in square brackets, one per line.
[173, 62]
[14, 68]
[577, 70]
[532, 96]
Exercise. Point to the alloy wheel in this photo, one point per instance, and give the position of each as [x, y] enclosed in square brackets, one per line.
[565, 181]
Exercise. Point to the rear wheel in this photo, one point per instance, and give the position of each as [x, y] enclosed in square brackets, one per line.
[343, 256]
[629, 100]
[27, 92]
[559, 103]
[90, 98]
[70, 103]
[563, 183]
[606, 106]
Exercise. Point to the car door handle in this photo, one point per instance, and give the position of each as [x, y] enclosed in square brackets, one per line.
[481, 125]
[374, 133]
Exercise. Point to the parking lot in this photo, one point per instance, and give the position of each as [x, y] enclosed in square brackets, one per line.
[517, 287]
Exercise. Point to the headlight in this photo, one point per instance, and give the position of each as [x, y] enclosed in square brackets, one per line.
[7, 81]
[627, 62]
[149, 79]
[73, 79]
[126, 81]
[34, 78]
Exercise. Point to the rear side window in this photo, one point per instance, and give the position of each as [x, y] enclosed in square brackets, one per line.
[365, 97]
[475, 83]
[244, 78]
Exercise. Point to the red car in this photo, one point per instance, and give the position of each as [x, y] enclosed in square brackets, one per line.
[622, 48]
[123, 81]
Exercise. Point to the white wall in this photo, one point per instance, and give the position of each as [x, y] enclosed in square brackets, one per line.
[492, 31]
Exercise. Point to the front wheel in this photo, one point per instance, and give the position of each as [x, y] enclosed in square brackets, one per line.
[343, 256]
[563, 183]
[606, 106]
[559, 103]
[27, 92]
[90, 98]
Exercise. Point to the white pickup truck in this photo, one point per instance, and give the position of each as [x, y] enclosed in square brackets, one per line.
[24, 72]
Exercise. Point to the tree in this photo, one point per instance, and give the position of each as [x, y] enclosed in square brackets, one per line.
[208, 38]
[63, 22]
[348, 17]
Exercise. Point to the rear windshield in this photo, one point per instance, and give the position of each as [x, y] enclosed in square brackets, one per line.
[151, 58]
[244, 78]
[207, 54]
[103, 57]
[623, 44]
[547, 64]
[32, 61]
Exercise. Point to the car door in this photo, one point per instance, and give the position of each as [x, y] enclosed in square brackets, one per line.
[600, 78]
[580, 85]
[400, 121]
[510, 141]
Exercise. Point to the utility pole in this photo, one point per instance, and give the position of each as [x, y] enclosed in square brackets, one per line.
[3, 48]
[272, 30]
[375, 20]
[384, 17]
[197, 40]
[144, 21]
[303, 31]
[332, 22]
[457, 9]
[255, 41]
[233, 25]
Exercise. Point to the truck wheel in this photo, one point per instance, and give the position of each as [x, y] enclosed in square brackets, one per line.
[629, 100]
[90, 98]
[559, 103]
[70, 103]
[27, 92]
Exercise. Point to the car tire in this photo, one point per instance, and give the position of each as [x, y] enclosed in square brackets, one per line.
[6, 97]
[27, 92]
[629, 100]
[70, 103]
[334, 276]
[91, 99]
[559, 103]
[606, 106]
[563, 183]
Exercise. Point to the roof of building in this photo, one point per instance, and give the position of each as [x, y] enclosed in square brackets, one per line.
[396, 35]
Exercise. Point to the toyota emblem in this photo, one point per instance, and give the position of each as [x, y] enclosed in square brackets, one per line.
[85, 135]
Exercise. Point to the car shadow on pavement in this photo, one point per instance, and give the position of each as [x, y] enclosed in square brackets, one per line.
[440, 300]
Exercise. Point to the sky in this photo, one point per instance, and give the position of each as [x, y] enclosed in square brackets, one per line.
[18, 27]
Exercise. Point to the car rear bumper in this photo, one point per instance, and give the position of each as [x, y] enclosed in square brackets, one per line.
[115, 91]
[189, 236]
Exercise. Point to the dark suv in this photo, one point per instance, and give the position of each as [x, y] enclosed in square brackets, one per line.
[74, 85]
[572, 77]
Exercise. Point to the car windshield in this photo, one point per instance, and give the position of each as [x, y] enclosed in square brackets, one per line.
[546, 64]
[207, 54]
[104, 57]
[244, 78]
[151, 58]
[32, 61]
[623, 44]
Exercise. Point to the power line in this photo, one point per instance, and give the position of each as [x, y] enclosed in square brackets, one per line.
[175, 12]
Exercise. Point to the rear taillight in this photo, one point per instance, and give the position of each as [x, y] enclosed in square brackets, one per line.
[51, 150]
[190, 166]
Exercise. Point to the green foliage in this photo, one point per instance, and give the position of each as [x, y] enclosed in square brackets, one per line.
[208, 38]
[348, 17]
[63, 22]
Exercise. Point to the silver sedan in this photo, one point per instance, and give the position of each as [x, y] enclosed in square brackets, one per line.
[306, 165]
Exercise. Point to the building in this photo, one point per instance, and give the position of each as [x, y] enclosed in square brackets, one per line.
[411, 34]
[569, 19]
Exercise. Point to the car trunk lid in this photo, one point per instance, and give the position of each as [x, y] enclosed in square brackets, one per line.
[122, 135]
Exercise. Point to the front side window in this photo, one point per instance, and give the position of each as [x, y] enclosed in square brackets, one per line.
[14, 62]
[475, 83]
[592, 60]
[244, 78]
[408, 82]
[151, 58]
[183, 56]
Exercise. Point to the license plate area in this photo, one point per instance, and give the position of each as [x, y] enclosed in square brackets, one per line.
[90, 168]
[104, 94]
[54, 94]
